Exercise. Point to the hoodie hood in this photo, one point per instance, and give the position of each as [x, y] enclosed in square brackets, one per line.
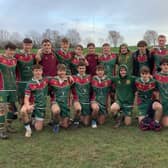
[126, 68]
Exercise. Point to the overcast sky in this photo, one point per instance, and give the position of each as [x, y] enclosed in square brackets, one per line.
[92, 18]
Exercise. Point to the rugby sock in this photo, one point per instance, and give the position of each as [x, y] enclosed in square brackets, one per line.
[27, 126]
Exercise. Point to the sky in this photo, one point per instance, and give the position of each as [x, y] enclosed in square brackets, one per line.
[92, 18]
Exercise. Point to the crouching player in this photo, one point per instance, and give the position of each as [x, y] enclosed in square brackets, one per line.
[149, 107]
[124, 89]
[162, 84]
[35, 100]
[60, 86]
[101, 85]
[81, 95]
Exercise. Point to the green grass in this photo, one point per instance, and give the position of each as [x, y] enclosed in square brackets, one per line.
[104, 147]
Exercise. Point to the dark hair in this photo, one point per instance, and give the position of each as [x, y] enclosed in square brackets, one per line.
[10, 45]
[100, 67]
[64, 40]
[37, 66]
[142, 43]
[90, 44]
[27, 40]
[81, 63]
[163, 60]
[106, 44]
[161, 36]
[61, 67]
[123, 45]
[45, 41]
[144, 69]
[79, 45]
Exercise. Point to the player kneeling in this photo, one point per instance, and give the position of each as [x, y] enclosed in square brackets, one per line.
[149, 107]
[101, 85]
[60, 86]
[35, 100]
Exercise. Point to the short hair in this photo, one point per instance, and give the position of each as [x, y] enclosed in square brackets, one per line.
[10, 45]
[123, 45]
[45, 41]
[144, 69]
[37, 66]
[90, 44]
[100, 67]
[27, 40]
[164, 60]
[142, 43]
[79, 45]
[106, 44]
[81, 63]
[161, 36]
[61, 67]
[64, 40]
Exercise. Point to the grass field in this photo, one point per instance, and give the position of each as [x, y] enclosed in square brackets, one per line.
[104, 147]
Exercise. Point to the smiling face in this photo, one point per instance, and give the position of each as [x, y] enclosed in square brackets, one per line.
[123, 72]
[46, 46]
[37, 73]
[27, 47]
[164, 67]
[162, 41]
[10, 52]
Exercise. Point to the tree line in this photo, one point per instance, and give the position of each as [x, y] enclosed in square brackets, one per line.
[114, 37]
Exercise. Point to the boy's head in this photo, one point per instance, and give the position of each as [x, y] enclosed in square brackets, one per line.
[123, 49]
[106, 48]
[81, 67]
[10, 49]
[27, 44]
[91, 48]
[145, 73]
[79, 49]
[61, 70]
[100, 70]
[123, 71]
[37, 71]
[161, 40]
[46, 46]
[65, 44]
[142, 45]
[164, 65]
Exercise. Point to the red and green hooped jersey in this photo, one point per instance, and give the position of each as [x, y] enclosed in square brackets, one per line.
[157, 55]
[101, 89]
[140, 60]
[145, 90]
[64, 58]
[74, 63]
[7, 73]
[37, 91]
[109, 63]
[60, 90]
[24, 66]
[82, 88]
[162, 84]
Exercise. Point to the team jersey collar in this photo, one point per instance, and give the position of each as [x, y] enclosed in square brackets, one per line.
[65, 52]
[101, 79]
[61, 80]
[8, 57]
[37, 80]
[145, 81]
[81, 75]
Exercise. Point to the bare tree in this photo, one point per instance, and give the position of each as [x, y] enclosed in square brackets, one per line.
[73, 36]
[115, 37]
[36, 38]
[150, 37]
